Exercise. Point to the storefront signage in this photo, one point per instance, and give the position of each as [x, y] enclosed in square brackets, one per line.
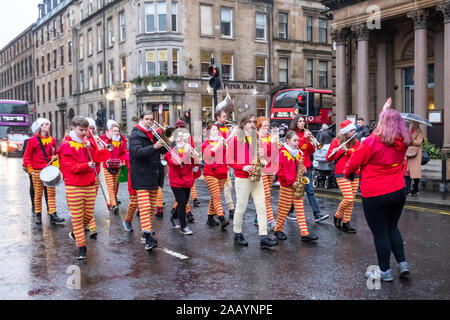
[239, 86]
[119, 90]
[157, 86]
[193, 84]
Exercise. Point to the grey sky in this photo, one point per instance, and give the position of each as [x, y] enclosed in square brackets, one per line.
[15, 17]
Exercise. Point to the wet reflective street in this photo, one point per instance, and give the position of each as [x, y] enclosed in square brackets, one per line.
[34, 260]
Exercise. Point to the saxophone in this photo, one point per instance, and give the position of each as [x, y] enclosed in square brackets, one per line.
[300, 179]
[257, 164]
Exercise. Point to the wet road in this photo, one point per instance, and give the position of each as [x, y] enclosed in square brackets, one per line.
[207, 265]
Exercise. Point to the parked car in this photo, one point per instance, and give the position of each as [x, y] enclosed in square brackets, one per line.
[13, 144]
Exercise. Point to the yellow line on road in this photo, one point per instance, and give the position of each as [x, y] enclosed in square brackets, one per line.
[411, 207]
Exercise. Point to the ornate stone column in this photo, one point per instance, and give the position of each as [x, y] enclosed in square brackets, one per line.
[385, 68]
[362, 77]
[445, 9]
[340, 37]
[420, 61]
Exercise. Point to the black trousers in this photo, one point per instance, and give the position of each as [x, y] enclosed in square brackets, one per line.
[382, 214]
[408, 181]
[182, 198]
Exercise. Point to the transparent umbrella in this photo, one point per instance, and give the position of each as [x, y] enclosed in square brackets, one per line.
[416, 118]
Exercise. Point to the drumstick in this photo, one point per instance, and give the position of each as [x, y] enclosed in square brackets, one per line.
[98, 178]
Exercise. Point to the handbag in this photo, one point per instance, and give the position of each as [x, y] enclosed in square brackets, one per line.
[412, 151]
[425, 157]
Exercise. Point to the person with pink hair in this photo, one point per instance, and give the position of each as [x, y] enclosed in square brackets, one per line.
[383, 191]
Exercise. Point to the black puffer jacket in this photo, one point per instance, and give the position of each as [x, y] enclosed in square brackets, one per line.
[146, 170]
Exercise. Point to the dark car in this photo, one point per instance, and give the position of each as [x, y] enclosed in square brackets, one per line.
[13, 144]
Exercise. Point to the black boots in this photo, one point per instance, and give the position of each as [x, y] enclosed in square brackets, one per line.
[337, 222]
[190, 217]
[150, 242]
[266, 242]
[211, 221]
[309, 238]
[231, 214]
[239, 239]
[38, 218]
[81, 253]
[347, 228]
[223, 222]
[55, 219]
[280, 235]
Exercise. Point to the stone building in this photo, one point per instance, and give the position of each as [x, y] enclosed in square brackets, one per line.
[16, 69]
[398, 49]
[54, 64]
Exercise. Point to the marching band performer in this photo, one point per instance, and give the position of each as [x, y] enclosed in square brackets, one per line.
[133, 204]
[289, 162]
[146, 172]
[215, 173]
[241, 150]
[79, 178]
[298, 124]
[221, 120]
[182, 177]
[111, 168]
[348, 188]
[39, 153]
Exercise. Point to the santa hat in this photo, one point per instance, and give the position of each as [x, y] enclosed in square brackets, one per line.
[91, 123]
[347, 126]
[180, 124]
[37, 124]
[110, 123]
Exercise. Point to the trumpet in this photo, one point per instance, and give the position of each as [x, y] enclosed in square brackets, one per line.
[187, 142]
[102, 145]
[314, 141]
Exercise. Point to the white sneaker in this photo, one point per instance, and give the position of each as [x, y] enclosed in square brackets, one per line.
[292, 216]
[186, 231]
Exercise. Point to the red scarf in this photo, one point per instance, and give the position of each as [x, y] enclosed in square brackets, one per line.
[147, 133]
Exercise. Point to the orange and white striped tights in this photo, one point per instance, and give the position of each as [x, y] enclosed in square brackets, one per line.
[81, 203]
[348, 190]
[38, 186]
[284, 205]
[215, 187]
[146, 204]
[132, 206]
[267, 184]
[92, 225]
[112, 185]
[159, 198]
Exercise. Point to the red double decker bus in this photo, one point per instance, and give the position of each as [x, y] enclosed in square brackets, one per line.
[314, 104]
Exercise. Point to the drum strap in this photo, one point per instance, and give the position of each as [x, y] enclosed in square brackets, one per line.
[43, 149]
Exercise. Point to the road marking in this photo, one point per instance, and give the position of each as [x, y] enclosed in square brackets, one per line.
[173, 253]
[440, 211]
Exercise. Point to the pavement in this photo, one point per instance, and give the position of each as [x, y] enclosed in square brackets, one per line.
[38, 262]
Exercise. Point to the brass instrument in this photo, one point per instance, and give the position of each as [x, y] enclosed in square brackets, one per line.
[314, 141]
[301, 180]
[103, 145]
[187, 141]
[257, 164]
[280, 144]
[167, 138]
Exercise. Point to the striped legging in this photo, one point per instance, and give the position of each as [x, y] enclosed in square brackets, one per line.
[159, 198]
[215, 187]
[348, 189]
[132, 206]
[146, 205]
[194, 194]
[284, 205]
[112, 180]
[267, 183]
[81, 202]
[38, 186]
[92, 224]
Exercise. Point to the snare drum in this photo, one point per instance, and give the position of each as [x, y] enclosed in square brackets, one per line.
[51, 176]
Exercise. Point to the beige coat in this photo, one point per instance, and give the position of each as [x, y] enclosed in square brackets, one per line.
[415, 164]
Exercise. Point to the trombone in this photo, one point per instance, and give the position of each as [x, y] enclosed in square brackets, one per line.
[186, 138]
[167, 137]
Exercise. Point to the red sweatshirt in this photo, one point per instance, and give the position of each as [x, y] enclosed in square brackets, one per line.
[180, 177]
[287, 172]
[74, 159]
[93, 144]
[340, 165]
[119, 150]
[215, 162]
[126, 158]
[272, 166]
[307, 148]
[381, 166]
[34, 157]
[239, 155]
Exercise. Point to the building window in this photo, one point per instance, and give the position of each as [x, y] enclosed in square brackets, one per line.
[207, 103]
[43, 93]
[91, 78]
[61, 24]
[90, 7]
[309, 29]
[81, 81]
[62, 55]
[122, 35]
[309, 73]
[99, 37]
[162, 16]
[99, 4]
[100, 75]
[48, 61]
[81, 47]
[162, 62]
[54, 59]
[90, 42]
[38, 95]
[149, 17]
[111, 72]
[69, 51]
[70, 85]
[123, 69]
[56, 89]
[226, 20]
[62, 88]
[283, 71]
[261, 107]
[227, 66]
[150, 62]
[175, 70]
[110, 32]
[206, 27]
[174, 16]
[49, 92]
[323, 74]
[205, 62]
[81, 10]
[37, 67]
[140, 63]
[261, 69]
[323, 36]
[260, 26]
[43, 65]
[282, 25]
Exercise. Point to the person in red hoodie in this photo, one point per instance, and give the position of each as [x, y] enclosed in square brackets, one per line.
[181, 177]
[383, 191]
[79, 178]
[348, 188]
[241, 150]
[298, 124]
[215, 173]
[289, 163]
[133, 204]
[111, 168]
[39, 152]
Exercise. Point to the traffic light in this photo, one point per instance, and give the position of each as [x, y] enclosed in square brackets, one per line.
[302, 104]
[187, 117]
[215, 82]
